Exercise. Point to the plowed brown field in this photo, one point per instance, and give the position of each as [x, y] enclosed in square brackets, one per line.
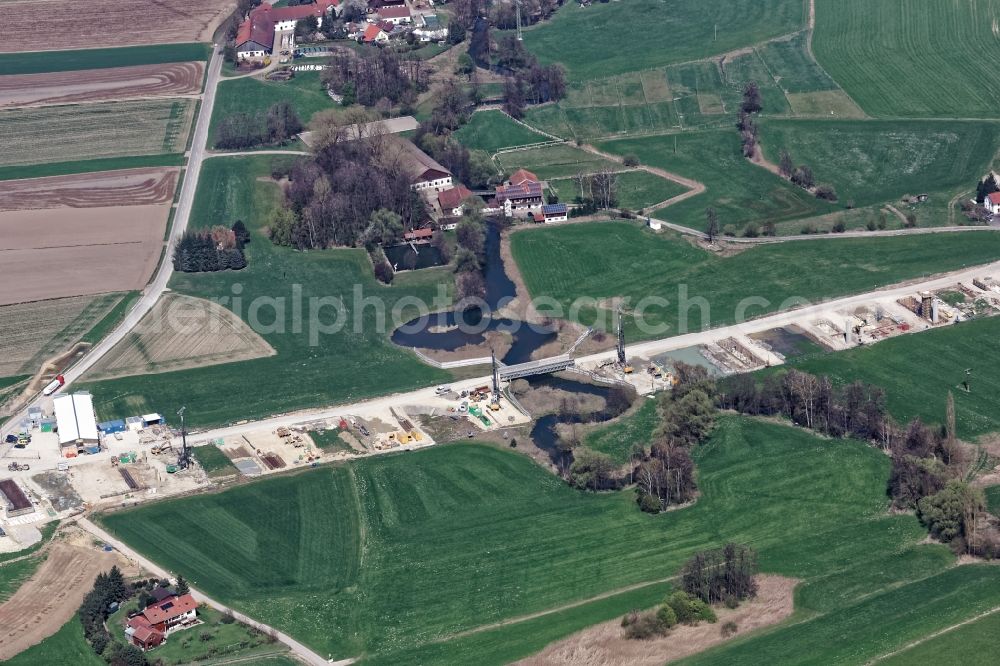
[128, 187]
[90, 85]
[51, 597]
[83, 234]
[42, 24]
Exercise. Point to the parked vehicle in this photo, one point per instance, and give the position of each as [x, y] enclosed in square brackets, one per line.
[441, 390]
[11, 439]
[54, 385]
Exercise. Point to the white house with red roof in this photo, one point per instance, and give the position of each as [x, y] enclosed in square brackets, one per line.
[396, 15]
[992, 203]
[452, 201]
[521, 195]
[150, 628]
[373, 34]
[255, 36]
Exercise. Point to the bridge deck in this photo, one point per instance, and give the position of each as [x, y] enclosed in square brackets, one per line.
[540, 367]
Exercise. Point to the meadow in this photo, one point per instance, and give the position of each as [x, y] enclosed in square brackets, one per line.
[617, 259]
[917, 371]
[251, 95]
[558, 161]
[739, 191]
[356, 362]
[40, 62]
[636, 189]
[88, 166]
[616, 439]
[877, 161]
[589, 41]
[93, 131]
[964, 645]
[492, 131]
[391, 567]
[213, 461]
[912, 58]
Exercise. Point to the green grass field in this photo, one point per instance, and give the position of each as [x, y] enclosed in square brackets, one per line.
[66, 647]
[87, 166]
[616, 439]
[912, 58]
[917, 372]
[251, 95]
[601, 260]
[492, 131]
[636, 189]
[14, 574]
[112, 318]
[347, 365]
[329, 440]
[591, 42]
[558, 161]
[213, 461]
[878, 161]
[391, 567]
[39, 62]
[739, 191]
[967, 644]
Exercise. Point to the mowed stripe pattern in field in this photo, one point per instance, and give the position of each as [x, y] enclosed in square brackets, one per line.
[92, 85]
[419, 547]
[88, 25]
[913, 58]
[92, 131]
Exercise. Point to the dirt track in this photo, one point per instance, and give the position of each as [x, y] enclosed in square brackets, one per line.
[130, 187]
[42, 24]
[91, 85]
[50, 597]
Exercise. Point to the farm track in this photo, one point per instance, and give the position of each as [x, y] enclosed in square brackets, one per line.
[130, 187]
[99, 85]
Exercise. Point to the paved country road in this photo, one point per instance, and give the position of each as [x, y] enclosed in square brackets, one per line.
[151, 294]
[300, 650]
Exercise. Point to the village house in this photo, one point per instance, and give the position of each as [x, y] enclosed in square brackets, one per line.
[168, 613]
[552, 213]
[395, 15]
[424, 172]
[992, 203]
[255, 36]
[521, 195]
[374, 35]
[452, 201]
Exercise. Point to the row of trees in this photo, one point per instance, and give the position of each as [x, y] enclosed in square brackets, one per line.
[371, 77]
[928, 462]
[275, 126]
[470, 256]
[109, 588]
[527, 81]
[216, 249]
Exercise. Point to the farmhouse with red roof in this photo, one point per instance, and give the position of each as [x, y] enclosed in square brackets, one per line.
[150, 628]
[374, 34]
[255, 36]
[992, 203]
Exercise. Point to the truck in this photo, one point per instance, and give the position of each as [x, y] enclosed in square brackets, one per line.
[54, 385]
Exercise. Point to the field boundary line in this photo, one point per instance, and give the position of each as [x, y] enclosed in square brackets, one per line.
[933, 635]
[556, 609]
